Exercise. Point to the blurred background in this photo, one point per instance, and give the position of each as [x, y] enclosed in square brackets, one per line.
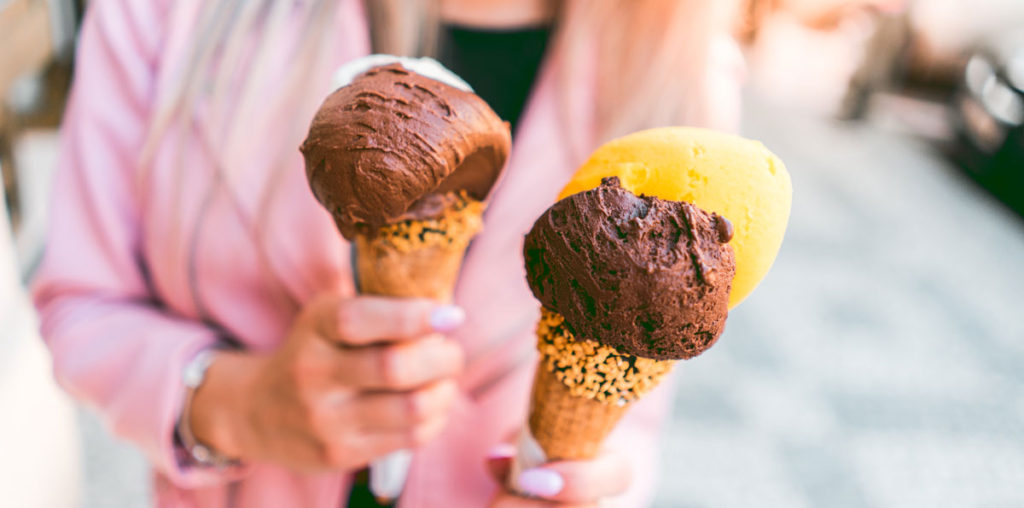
[880, 364]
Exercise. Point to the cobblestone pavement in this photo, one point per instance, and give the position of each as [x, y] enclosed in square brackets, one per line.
[880, 364]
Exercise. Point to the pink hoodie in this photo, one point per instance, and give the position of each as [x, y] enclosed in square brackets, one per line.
[121, 317]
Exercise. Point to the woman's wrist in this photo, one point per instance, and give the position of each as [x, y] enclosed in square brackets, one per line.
[216, 418]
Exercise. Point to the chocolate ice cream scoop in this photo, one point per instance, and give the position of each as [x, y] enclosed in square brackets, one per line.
[393, 144]
[646, 276]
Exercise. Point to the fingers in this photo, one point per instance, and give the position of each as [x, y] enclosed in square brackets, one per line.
[390, 411]
[504, 500]
[397, 367]
[580, 482]
[351, 450]
[382, 443]
[499, 465]
[347, 430]
[369, 319]
[499, 462]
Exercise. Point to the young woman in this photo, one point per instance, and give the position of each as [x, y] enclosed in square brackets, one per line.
[195, 292]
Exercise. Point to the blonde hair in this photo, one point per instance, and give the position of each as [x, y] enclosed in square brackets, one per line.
[652, 55]
[652, 60]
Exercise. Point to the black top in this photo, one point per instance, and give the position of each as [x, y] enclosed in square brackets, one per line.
[500, 65]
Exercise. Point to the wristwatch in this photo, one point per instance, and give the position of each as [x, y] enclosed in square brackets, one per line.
[193, 375]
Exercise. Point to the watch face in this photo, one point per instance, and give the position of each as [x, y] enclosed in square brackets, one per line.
[201, 453]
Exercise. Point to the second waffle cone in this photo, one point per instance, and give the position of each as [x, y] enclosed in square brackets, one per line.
[567, 426]
[582, 389]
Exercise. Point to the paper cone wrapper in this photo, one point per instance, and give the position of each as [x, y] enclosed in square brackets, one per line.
[580, 392]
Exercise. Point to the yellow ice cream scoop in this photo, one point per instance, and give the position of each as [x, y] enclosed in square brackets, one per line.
[735, 177]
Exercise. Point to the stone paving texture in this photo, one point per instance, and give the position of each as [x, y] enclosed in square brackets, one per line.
[880, 364]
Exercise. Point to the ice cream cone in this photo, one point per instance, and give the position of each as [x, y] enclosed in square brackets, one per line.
[402, 155]
[638, 259]
[418, 257]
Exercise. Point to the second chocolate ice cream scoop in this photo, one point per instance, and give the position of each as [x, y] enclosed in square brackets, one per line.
[649, 277]
[391, 144]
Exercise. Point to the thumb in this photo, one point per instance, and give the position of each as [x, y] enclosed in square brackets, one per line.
[499, 462]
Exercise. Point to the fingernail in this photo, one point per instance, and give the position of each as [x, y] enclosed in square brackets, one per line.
[541, 482]
[502, 451]
[447, 318]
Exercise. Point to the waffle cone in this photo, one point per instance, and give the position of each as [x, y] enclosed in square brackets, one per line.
[425, 272]
[580, 392]
[418, 258]
[567, 426]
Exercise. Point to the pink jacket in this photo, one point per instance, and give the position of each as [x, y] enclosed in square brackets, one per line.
[121, 317]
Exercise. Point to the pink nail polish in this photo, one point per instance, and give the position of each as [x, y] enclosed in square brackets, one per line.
[502, 451]
[541, 482]
[447, 318]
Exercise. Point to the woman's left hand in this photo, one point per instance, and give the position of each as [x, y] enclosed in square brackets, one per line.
[564, 483]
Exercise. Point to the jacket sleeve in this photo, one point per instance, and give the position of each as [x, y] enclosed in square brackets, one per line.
[114, 347]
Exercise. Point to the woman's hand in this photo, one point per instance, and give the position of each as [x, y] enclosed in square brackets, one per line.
[564, 483]
[356, 378]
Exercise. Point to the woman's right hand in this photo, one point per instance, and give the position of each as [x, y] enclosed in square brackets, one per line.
[356, 378]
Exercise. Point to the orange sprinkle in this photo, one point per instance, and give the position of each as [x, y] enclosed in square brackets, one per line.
[594, 370]
[453, 229]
